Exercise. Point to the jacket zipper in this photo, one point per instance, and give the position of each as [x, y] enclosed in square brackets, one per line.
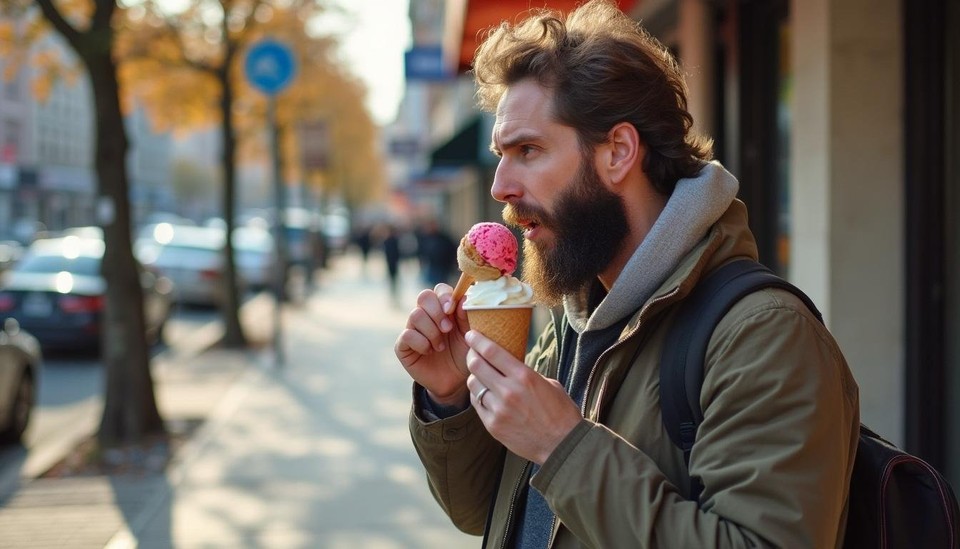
[621, 341]
[583, 406]
[513, 505]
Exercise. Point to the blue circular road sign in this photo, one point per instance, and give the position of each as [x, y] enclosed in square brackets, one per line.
[269, 66]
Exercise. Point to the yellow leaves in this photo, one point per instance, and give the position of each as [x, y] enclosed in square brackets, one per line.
[41, 88]
[167, 57]
[7, 37]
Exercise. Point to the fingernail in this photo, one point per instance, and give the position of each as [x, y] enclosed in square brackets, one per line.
[446, 325]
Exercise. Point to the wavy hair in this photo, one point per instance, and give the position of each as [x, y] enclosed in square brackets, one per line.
[603, 68]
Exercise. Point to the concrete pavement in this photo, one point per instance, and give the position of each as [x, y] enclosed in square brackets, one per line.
[311, 454]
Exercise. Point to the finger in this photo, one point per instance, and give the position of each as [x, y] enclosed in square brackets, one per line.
[410, 342]
[421, 322]
[429, 303]
[463, 324]
[473, 384]
[486, 373]
[444, 293]
[492, 353]
[479, 393]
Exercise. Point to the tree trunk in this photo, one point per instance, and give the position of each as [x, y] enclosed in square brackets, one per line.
[130, 408]
[233, 331]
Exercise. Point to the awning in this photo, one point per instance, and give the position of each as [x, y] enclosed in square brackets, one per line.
[468, 147]
[480, 15]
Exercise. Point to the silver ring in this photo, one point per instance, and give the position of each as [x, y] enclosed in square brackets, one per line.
[480, 395]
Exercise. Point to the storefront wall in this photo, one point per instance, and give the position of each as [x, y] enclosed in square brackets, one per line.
[842, 82]
[847, 189]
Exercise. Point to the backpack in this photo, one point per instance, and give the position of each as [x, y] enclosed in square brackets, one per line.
[896, 499]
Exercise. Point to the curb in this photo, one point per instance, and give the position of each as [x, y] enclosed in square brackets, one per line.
[40, 459]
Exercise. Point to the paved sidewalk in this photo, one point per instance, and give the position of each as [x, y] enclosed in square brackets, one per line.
[311, 454]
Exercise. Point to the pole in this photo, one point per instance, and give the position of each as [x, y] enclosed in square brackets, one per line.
[279, 234]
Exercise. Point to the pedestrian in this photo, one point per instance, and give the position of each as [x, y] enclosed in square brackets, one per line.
[362, 238]
[622, 214]
[438, 253]
[391, 256]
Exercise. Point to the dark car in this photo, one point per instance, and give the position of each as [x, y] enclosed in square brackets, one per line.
[56, 293]
[20, 362]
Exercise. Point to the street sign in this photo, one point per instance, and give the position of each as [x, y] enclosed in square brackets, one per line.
[269, 66]
[426, 63]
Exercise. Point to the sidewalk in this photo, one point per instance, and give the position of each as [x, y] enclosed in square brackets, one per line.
[311, 454]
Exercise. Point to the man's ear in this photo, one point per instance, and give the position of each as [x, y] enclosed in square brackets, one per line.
[623, 151]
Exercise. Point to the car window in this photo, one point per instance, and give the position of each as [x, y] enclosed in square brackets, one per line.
[186, 255]
[81, 265]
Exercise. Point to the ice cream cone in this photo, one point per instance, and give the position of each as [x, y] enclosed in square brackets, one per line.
[461, 287]
[507, 325]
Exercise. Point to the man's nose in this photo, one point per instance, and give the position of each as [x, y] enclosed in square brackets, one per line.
[506, 188]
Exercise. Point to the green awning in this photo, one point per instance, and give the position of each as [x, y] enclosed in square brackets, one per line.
[468, 147]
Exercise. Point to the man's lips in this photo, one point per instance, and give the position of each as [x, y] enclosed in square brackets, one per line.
[529, 227]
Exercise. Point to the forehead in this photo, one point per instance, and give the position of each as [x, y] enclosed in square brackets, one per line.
[526, 108]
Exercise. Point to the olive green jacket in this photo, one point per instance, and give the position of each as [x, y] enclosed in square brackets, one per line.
[775, 449]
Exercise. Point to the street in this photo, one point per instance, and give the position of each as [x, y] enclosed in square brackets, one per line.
[70, 396]
[313, 453]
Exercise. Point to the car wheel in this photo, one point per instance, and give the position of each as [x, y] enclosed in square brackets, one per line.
[23, 402]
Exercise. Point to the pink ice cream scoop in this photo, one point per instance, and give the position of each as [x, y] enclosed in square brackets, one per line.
[487, 252]
[494, 245]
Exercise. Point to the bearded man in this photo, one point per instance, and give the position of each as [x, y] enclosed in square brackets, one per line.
[622, 214]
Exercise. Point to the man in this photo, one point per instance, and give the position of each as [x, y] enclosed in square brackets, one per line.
[622, 216]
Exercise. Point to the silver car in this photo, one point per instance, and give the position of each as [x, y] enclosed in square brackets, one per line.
[190, 256]
[20, 363]
[256, 256]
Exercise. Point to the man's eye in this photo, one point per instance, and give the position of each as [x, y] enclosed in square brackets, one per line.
[526, 150]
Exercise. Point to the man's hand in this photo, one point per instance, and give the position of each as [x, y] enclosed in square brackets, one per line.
[432, 349]
[527, 412]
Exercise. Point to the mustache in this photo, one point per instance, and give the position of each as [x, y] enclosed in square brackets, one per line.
[520, 215]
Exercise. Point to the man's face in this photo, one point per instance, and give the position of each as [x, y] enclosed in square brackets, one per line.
[589, 224]
[573, 225]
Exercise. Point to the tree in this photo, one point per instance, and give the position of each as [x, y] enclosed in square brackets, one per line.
[201, 43]
[130, 410]
[183, 47]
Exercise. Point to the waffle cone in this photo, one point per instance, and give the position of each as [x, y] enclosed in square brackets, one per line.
[508, 326]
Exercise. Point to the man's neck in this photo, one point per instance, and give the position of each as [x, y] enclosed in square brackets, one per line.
[642, 212]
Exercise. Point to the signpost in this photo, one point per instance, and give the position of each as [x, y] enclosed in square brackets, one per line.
[270, 67]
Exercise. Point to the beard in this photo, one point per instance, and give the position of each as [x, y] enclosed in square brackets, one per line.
[589, 224]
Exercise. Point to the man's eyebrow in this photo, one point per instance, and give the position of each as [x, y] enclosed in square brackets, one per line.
[512, 141]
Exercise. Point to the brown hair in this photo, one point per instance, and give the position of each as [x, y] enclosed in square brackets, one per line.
[603, 69]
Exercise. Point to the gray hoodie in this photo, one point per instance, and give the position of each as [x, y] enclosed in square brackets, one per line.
[695, 205]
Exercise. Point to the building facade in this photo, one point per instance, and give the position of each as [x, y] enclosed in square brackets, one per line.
[47, 175]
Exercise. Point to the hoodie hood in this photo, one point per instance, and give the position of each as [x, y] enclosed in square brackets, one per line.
[696, 204]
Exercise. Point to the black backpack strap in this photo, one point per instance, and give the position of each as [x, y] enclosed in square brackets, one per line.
[685, 346]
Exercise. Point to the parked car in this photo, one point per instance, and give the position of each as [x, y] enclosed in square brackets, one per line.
[56, 293]
[20, 363]
[305, 245]
[256, 256]
[191, 256]
[10, 253]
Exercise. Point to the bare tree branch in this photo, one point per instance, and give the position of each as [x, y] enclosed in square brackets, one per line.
[56, 19]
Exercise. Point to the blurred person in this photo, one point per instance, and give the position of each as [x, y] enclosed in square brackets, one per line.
[390, 244]
[362, 238]
[623, 214]
[437, 251]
